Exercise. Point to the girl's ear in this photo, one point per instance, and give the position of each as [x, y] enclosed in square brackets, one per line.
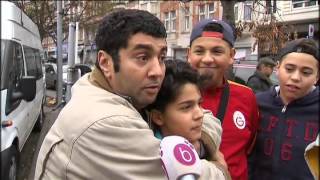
[156, 117]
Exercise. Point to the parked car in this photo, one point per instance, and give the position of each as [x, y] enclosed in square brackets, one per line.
[242, 70]
[22, 85]
[84, 69]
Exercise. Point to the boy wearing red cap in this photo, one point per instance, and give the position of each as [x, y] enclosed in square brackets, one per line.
[211, 52]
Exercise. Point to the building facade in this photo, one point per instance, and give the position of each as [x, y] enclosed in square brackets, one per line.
[303, 16]
[180, 16]
[299, 16]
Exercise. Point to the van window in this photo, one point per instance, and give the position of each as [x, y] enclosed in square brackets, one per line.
[3, 48]
[15, 73]
[30, 61]
[2, 52]
[33, 62]
[38, 63]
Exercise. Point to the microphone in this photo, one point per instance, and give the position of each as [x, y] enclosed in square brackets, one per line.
[179, 159]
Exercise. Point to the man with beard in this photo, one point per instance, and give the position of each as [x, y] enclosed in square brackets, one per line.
[211, 52]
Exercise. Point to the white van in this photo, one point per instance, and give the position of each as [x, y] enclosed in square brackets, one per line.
[22, 85]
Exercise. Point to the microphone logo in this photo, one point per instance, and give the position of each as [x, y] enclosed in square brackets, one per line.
[179, 158]
[184, 154]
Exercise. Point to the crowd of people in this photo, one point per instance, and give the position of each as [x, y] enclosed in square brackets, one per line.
[137, 97]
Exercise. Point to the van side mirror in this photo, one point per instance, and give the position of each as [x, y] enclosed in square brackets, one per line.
[27, 90]
[28, 87]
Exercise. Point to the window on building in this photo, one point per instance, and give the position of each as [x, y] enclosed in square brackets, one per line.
[268, 7]
[247, 12]
[311, 3]
[186, 19]
[211, 10]
[144, 6]
[206, 11]
[173, 20]
[304, 3]
[170, 21]
[166, 21]
[236, 13]
[202, 12]
[154, 10]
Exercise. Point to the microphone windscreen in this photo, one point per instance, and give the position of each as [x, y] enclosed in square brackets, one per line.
[179, 157]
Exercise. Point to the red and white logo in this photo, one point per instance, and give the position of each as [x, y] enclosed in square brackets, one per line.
[239, 120]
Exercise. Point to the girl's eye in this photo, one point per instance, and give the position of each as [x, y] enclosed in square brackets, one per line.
[306, 73]
[162, 58]
[289, 69]
[185, 107]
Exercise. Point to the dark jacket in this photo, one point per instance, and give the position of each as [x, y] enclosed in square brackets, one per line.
[259, 82]
[284, 133]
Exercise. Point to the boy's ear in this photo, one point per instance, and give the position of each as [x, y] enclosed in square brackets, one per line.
[188, 54]
[232, 54]
[105, 63]
[277, 68]
[156, 117]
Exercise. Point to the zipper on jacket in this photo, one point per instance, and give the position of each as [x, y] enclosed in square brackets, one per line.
[284, 108]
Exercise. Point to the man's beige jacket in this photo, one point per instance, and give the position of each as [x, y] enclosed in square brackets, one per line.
[100, 135]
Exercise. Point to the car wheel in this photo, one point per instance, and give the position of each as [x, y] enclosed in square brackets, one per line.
[40, 120]
[13, 164]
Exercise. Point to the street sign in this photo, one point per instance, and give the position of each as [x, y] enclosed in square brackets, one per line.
[311, 30]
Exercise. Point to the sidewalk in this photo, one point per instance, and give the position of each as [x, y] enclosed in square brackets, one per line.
[51, 113]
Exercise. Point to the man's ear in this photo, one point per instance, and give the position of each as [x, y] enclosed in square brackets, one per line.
[105, 63]
[156, 117]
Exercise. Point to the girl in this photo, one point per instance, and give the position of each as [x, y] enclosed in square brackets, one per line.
[177, 109]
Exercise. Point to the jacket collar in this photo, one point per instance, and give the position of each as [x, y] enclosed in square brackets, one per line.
[311, 97]
[98, 79]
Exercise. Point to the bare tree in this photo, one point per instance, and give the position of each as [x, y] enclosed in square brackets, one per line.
[270, 33]
[43, 13]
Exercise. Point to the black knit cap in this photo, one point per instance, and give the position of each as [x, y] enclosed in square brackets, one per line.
[302, 45]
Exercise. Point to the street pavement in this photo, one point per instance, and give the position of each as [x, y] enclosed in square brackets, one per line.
[31, 148]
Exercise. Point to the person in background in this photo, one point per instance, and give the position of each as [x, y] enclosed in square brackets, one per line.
[100, 133]
[289, 115]
[260, 80]
[211, 52]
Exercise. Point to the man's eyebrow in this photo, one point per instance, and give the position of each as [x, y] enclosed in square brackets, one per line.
[142, 46]
[148, 48]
